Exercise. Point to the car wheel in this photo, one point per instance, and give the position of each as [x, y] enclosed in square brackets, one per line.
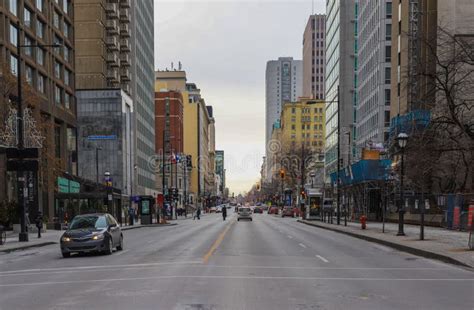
[251, 220]
[120, 246]
[110, 246]
[238, 220]
[66, 254]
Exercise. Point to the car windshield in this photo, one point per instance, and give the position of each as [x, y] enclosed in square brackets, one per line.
[89, 221]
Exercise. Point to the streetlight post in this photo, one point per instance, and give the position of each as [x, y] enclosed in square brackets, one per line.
[402, 140]
[97, 149]
[21, 179]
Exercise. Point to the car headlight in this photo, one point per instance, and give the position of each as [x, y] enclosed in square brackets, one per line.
[65, 239]
[98, 237]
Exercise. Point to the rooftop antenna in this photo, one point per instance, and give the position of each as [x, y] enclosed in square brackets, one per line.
[172, 66]
[180, 66]
[312, 2]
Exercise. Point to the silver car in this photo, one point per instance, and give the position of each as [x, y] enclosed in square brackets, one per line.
[244, 213]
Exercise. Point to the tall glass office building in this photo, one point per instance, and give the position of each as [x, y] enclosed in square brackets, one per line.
[340, 64]
[143, 81]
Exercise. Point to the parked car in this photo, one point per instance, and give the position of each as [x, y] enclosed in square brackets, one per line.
[98, 232]
[218, 209]
[273, 210]
[258, 210]
[212, 210]
[287, 211]
[244, 213]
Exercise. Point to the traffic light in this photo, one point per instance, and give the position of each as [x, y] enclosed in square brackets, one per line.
[303, 194]
[189, 161]
[282, 173]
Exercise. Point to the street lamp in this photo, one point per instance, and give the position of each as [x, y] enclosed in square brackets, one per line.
[402, 140]
[23, 235]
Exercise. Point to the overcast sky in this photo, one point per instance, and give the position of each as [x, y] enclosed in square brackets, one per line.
[224, 46]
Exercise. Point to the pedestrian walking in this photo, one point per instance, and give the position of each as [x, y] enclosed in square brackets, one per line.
[224, 212]
[39, 223]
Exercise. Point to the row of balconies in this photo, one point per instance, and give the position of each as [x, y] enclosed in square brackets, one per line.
[115, 60]
[112, 44]
[113, 28]
[116, 74]
[125, 3]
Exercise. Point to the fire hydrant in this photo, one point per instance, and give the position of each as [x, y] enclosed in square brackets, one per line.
[363, 221]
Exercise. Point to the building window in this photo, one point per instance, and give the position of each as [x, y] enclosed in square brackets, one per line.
[39, 29]
[13, 65]
[40, 56]
[67, 75]
[293, 127]
[28, 50]
[66, 6]
[66, 29]
[388, 53]
[67, 101]
[388, 32]
[389, 10]
[293, 110]
[387, 75]
[29, 75]
[13, 5]
[39, 5]
[66, 55]
[13, 35]
[57, 70]
[57, 95]
[27, 17]
[41, 82]
[56, 19]
[387, 97]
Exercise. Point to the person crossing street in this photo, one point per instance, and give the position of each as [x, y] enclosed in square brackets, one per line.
[224, 212]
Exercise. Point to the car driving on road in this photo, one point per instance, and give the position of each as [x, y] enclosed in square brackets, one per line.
[244, 214]
[98, 232]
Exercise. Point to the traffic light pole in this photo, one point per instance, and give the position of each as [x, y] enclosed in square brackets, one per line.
[338, 183]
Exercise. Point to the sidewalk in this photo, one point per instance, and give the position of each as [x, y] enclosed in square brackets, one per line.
[52, 237]
[442, 244]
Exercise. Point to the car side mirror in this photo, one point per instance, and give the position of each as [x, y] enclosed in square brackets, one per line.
[112, 225]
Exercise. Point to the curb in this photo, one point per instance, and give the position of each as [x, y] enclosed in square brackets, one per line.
[24, 247]
[400, 247]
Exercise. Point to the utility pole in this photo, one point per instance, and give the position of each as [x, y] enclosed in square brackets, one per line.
[97, 149]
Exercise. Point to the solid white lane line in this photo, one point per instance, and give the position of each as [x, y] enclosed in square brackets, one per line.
[68, 268]
[290, 237]
[235, 277]
[322, 258]
[302, 245]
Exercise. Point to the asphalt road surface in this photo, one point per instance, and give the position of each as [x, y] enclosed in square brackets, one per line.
[270, 263]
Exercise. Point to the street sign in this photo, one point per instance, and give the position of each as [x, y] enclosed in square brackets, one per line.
[13, 153]
[101, 137]
[22, 165]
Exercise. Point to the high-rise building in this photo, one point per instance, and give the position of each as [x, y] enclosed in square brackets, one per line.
[283, 83]
[340, 77]
[103, 51]
[48, 95]
[114, 41]
[407, 87]
[314, 57]
[374, 41]
[143, 87]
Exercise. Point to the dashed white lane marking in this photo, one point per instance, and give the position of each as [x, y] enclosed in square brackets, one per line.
[302, 245]
[290, 237]
[122, 252]
[322, 258]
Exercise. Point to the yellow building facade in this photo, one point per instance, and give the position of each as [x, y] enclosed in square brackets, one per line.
[303, 125]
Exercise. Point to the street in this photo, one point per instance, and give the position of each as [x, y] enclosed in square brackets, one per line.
[269, 263]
